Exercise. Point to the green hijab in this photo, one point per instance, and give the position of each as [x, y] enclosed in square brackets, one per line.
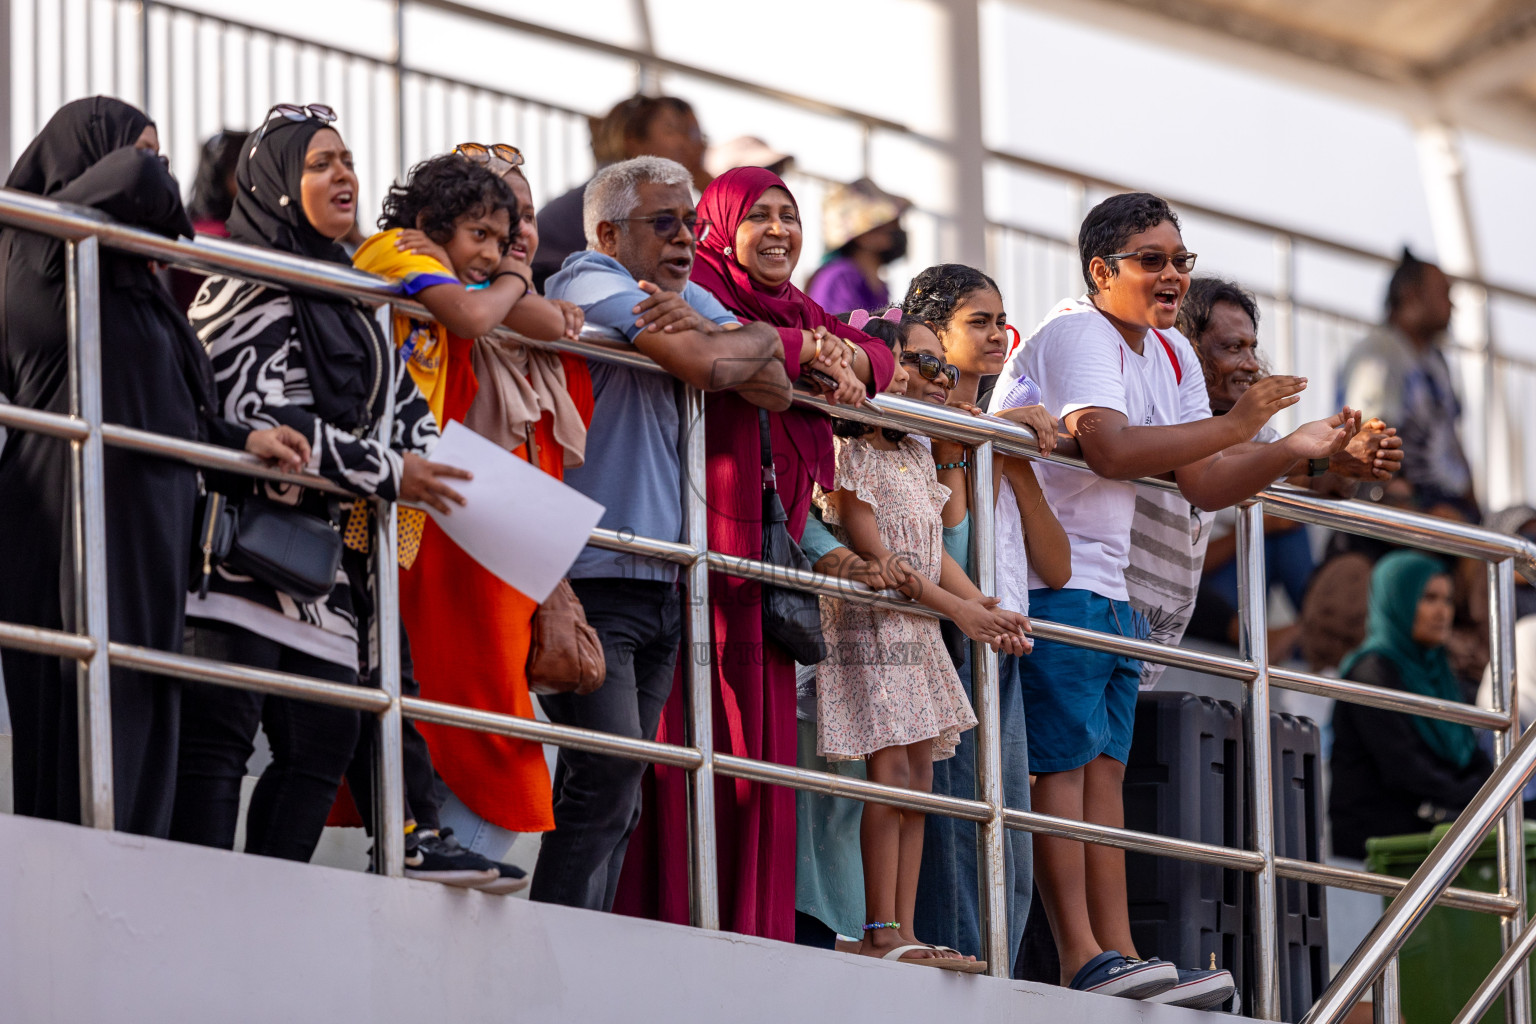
[1397, 585]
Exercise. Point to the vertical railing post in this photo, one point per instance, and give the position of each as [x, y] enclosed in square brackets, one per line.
[1386, 1000]
[146, 9]
[88, 508]
[991, 835]
[698, 648]
[389, 761]
[1285, 305]
[1252, 595]
[399, 63]
[1511, 846]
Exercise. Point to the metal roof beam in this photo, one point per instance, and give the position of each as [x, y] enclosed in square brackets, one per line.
[1499, 67]
[1235, 38]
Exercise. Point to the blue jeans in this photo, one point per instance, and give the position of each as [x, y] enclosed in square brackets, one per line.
[472, 831]
[948, 911]
[1287, 562]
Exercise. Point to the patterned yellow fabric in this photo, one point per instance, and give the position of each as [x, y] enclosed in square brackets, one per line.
[423, 344]
[357, 534]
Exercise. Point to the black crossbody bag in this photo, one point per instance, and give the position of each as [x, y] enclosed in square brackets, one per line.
[290, 551]
[791, 618]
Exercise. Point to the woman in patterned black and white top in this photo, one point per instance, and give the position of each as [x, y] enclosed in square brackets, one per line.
[316, 364]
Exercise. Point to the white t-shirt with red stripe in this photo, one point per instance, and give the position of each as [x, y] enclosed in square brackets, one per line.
[1080, 361]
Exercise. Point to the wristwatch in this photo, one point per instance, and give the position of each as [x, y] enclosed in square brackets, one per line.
[1317, 467]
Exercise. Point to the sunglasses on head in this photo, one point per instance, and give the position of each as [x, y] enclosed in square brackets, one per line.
[1154, 262]
[293, 112]
[481, 153]
[666, 224]
[946, 375]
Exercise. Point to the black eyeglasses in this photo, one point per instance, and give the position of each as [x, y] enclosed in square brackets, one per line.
[932, 368]
[293, 112]
[666, 224]
[481, 153]
[1154, 262]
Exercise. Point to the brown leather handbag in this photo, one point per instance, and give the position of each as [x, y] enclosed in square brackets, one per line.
[565, 655]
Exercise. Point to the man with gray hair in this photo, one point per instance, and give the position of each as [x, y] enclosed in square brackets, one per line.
[642, 231]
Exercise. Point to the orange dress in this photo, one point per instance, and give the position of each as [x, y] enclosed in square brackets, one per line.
[469, 634]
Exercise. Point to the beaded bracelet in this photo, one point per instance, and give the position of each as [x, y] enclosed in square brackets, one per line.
[962, 464]
[877, 925]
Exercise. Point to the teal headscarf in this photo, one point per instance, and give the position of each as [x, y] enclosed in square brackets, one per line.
[1397, 584]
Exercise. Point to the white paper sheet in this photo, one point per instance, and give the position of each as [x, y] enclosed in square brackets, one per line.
[520, 523]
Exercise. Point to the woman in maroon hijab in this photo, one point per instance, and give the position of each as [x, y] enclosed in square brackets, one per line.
[746, 261]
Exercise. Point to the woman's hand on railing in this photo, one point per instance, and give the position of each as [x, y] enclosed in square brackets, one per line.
[833, 357]
[281, 447]
[421, 482]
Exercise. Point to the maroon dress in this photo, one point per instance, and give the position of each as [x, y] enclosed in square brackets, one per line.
[753, 692]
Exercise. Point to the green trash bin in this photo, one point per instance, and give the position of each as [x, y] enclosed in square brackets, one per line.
[1449, 955]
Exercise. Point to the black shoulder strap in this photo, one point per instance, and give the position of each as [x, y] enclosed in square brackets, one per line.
[765, 442]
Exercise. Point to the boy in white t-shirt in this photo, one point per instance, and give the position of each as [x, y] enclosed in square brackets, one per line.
[1105, 364]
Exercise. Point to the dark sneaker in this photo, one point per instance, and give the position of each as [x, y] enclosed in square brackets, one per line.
[1110, 974]
[1198, 990]
[438, 857]
[510, 879]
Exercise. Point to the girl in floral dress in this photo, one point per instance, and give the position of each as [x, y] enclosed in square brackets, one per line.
[889, 694]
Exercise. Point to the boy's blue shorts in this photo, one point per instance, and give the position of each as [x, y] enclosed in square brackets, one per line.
[1079, 703]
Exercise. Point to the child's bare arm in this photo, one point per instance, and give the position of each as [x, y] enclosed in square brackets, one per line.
[1045, 542]
[858, 518]
[539, 318]
[949, 453]
[467, 312]
[978, 615]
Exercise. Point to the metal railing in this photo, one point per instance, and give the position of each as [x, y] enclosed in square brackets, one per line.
[86, 231]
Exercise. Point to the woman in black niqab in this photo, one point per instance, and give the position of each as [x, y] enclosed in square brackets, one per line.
[155, 377]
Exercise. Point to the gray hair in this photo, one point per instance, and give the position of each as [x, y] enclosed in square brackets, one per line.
[614, 192]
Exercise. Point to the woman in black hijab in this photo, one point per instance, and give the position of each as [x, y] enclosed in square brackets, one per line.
[318, 364]
[102, 153]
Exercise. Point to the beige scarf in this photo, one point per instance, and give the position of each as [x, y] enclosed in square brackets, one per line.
[518, 384]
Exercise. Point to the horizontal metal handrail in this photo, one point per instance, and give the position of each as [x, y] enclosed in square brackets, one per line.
[362, 698]
[284, 270]
[1390, 885]
[40, 640]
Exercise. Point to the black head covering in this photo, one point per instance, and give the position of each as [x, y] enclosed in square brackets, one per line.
[342, 346]
[75, 138]
[211, 198]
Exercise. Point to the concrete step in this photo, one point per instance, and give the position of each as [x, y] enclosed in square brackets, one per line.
[121, 928]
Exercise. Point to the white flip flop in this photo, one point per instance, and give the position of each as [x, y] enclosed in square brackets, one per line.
[941, 963]
[965, 966]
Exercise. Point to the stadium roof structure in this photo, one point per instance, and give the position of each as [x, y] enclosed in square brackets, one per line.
[1463, 63]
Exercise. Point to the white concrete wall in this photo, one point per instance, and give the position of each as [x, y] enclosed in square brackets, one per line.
[105, 927]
